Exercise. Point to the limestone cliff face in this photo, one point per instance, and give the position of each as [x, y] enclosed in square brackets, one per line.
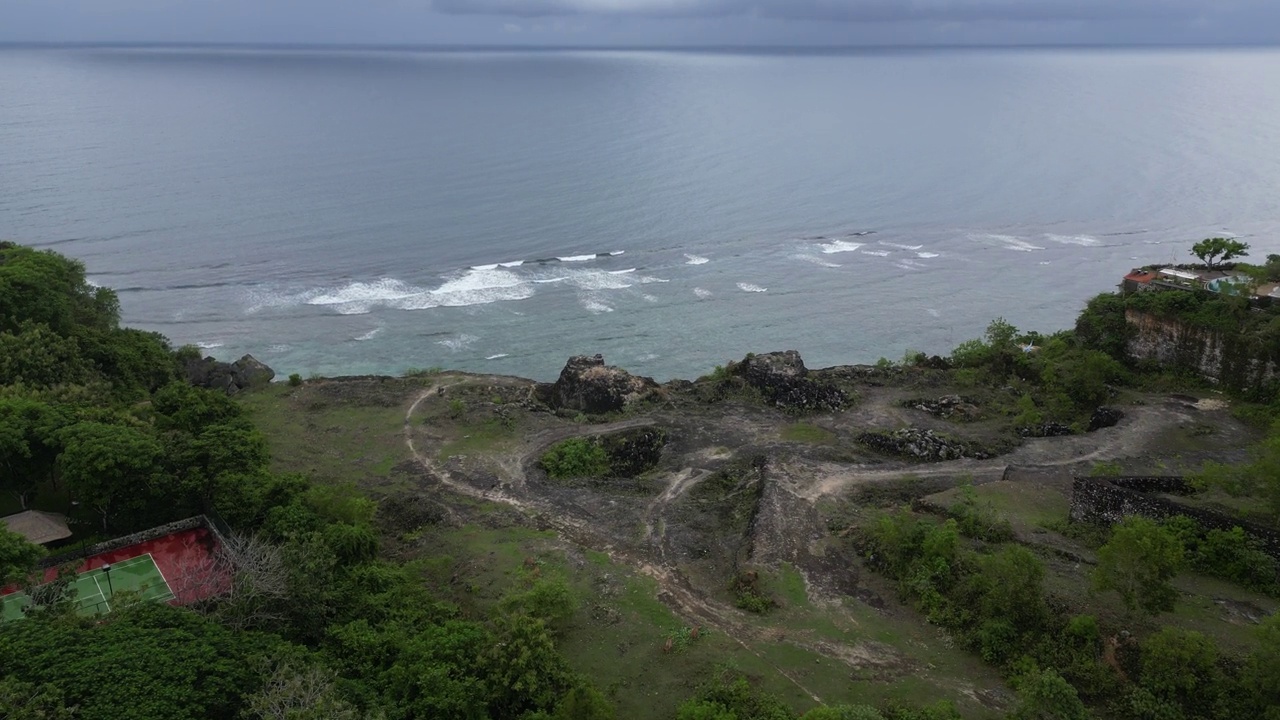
[1231, 361]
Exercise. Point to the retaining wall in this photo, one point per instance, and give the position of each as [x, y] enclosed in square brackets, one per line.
[1108, 500]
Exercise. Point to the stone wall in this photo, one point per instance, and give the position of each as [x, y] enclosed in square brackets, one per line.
[159, 531]
[1233, 361]
[1108, 500]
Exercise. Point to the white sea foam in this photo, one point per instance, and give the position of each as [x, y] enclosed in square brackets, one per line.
[576, 258]
[900, 247]
[616, 253]
[839, 246]
[815, 260]
[748, 287]
[649, 298]
[599, 280]
[358, 298]
[933, 312]
[695, 260]
[281, 348]
[513, 263]
[461, 342]
[904, 266]
[1010, 242]
[628, 271]
[496, 357]
[1081, 240]
[493, 266]
[926, 255]
[371, 334]
[594, 306]
[702, 292]
[877, 253]
[209, 345]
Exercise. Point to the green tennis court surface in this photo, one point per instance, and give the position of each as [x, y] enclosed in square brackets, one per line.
[137, 578]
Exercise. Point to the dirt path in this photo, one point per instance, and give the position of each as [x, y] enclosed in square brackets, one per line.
[674, 589]
[1139, 426]
[781, 523]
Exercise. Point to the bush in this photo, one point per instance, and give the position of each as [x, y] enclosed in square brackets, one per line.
[575, 458]
[295, 380]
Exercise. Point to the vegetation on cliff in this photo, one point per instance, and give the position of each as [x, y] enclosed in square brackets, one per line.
[456, 580]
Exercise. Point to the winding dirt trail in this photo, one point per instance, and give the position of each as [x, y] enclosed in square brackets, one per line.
[674, 589]
[649, 556]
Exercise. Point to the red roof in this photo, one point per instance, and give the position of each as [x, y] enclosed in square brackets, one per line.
[1141, 276]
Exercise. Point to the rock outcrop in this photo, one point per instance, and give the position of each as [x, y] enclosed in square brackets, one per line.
[633, 452]
[947, 407]
[1104, 417]
[589, 386]
[784, 381]
[1048, 429]
[231, 378]
[922, 444]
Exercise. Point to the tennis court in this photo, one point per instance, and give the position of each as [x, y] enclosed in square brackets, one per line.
[94, 591]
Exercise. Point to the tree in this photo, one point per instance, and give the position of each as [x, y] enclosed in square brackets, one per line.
[1045, 695]
[110, 467]
[1139, 562]
[27, 701]
[525, 671]
[584, 703]
[299, 693]
[18, 556]
[1213, 252]
[28, 445]
[1181, 667]
[1261, 676]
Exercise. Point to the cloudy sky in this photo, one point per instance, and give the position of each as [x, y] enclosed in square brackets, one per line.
[643, 22]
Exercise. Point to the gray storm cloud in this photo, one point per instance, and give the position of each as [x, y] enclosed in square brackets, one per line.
[863, 10]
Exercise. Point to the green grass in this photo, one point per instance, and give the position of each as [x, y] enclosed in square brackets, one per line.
[478, 438]
[807, 433]
[1026, 504]
[329, 436]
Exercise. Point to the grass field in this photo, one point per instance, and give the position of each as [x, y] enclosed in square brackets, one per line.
[94, 591]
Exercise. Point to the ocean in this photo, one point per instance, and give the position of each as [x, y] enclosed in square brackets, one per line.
[340, 211]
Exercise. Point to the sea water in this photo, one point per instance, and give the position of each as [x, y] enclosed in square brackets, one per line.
[358, 211]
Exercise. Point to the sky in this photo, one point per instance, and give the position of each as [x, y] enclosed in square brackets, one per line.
[644, 22]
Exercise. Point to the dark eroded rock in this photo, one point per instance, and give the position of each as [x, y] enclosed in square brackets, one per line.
[947, 406]
[632, 452]
[782, 379]
[1048, 429]
[922, 444]
[231, 378]
[1104, 417]
[589, 386]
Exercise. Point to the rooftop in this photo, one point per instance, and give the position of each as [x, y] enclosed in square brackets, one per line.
[37, 526]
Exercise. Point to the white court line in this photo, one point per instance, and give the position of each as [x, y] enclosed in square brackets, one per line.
[163, 579]
[104, 595]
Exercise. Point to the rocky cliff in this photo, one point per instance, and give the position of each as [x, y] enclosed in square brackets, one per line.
[1233, 361]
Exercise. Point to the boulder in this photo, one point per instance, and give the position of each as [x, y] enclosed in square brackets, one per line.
[231, 378]
[1104, 417]
[783, 380]
[589, 386]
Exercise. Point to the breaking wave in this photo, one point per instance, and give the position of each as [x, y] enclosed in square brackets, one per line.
[695, 260]
[839, 246]
[748, 287]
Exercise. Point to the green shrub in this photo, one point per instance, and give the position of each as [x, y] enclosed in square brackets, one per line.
[295, 380]
[575, 458]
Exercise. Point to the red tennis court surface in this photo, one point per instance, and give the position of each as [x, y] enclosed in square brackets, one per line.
[188, 559]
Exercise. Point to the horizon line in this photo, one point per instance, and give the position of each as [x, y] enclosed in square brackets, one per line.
[491, 47]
